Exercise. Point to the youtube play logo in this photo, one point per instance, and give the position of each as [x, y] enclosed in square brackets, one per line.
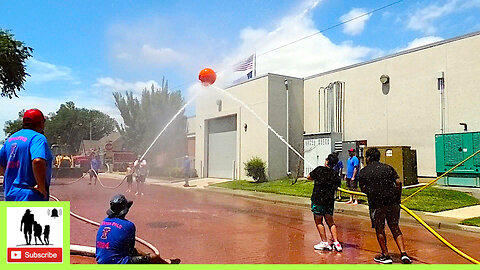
[16, 255]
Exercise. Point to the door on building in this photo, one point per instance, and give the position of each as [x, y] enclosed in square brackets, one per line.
[222, 146]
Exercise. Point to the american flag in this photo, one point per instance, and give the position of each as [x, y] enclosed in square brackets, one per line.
[244, 64]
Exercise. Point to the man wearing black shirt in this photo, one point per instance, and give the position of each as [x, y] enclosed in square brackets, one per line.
[326, 182]
[384, 190]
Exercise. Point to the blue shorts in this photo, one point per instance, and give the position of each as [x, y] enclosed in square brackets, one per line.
[321, 210]
[24, 194]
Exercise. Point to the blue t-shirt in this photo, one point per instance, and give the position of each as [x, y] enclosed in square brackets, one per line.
[115, 241]
[95, 163]
[337, 168]
[16, 156]
[186, 165]
[352, 162]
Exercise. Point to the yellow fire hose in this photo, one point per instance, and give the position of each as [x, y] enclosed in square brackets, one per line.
[438, 178]
[432, 231]
[438, 236]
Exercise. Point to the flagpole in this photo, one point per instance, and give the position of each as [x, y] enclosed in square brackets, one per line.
[255, 65]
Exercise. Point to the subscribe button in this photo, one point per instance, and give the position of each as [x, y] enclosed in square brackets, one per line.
[34, 255]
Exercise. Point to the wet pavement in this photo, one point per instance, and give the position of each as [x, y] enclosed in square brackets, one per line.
[204, 227]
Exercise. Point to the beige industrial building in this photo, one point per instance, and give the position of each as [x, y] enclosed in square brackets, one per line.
[402, 99]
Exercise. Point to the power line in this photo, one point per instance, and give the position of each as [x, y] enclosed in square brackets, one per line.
[331, 27]
[316, 33]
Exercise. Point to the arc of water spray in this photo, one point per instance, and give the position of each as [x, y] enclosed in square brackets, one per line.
[170, 122]
[262, 121]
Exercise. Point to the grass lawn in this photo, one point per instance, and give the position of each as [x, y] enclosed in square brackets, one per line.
[471, 221]
[430, 200]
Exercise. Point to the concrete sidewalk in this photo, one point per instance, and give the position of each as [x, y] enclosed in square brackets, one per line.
[444, 220]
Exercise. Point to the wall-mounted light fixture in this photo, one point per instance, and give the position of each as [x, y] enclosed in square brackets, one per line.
[385, 80]
[245, 127]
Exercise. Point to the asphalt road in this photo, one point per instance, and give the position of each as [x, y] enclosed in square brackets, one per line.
[204, 227]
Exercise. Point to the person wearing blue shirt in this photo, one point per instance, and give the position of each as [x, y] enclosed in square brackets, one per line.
[353, 166]
[115, 242]
[95, 165]
[339, 170]
[26, 161]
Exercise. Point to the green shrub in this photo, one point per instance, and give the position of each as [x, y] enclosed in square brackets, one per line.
[256, 168]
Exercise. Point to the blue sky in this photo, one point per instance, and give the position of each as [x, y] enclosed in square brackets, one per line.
[85, 50]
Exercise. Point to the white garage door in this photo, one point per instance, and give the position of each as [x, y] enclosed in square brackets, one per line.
[222, 146]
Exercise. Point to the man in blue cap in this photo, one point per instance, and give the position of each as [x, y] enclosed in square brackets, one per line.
[26, 161]
[115, 242]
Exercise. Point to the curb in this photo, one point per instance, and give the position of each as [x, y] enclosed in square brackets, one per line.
[358, 210]
[432, 221]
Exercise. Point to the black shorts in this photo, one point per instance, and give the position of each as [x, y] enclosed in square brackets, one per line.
[140, 178]
[352, 184]
[93, 173]
[391, 213]
[129, 179]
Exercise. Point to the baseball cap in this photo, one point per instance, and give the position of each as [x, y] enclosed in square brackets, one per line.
[119, 206]
[33, 116]
[351, 150]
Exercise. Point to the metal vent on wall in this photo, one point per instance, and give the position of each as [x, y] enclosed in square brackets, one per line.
[331, 107]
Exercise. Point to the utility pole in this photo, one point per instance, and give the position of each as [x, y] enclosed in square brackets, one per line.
[90, 131]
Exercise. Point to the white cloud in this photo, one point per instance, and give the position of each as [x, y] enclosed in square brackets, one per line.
[356, 26]
[148, 54]
[304, 58]
[116, 84]
[143, 43]
[45, 72]
[420, 42]
[425, 18]
[160, 55]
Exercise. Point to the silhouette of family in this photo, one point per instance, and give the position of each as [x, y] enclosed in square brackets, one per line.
[29, 226]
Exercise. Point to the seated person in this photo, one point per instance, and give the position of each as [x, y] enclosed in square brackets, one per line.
[115, 242]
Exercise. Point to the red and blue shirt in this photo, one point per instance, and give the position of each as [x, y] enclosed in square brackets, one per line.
[115, 241]
[16, 157]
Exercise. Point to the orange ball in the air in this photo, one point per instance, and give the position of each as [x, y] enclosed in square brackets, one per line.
[207, 76]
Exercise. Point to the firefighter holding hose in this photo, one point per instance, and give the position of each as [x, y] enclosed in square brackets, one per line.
[115, 243]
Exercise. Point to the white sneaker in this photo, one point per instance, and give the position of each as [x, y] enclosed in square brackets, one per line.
[337, 246]
[322, 246]
[137, 193]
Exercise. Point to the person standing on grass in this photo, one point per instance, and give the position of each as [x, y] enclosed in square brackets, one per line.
[339, 170]
[326, 182]
[384, 191]
[353, 166]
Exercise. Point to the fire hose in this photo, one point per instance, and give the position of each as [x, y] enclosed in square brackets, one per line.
[430, 229]
[138, 239]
